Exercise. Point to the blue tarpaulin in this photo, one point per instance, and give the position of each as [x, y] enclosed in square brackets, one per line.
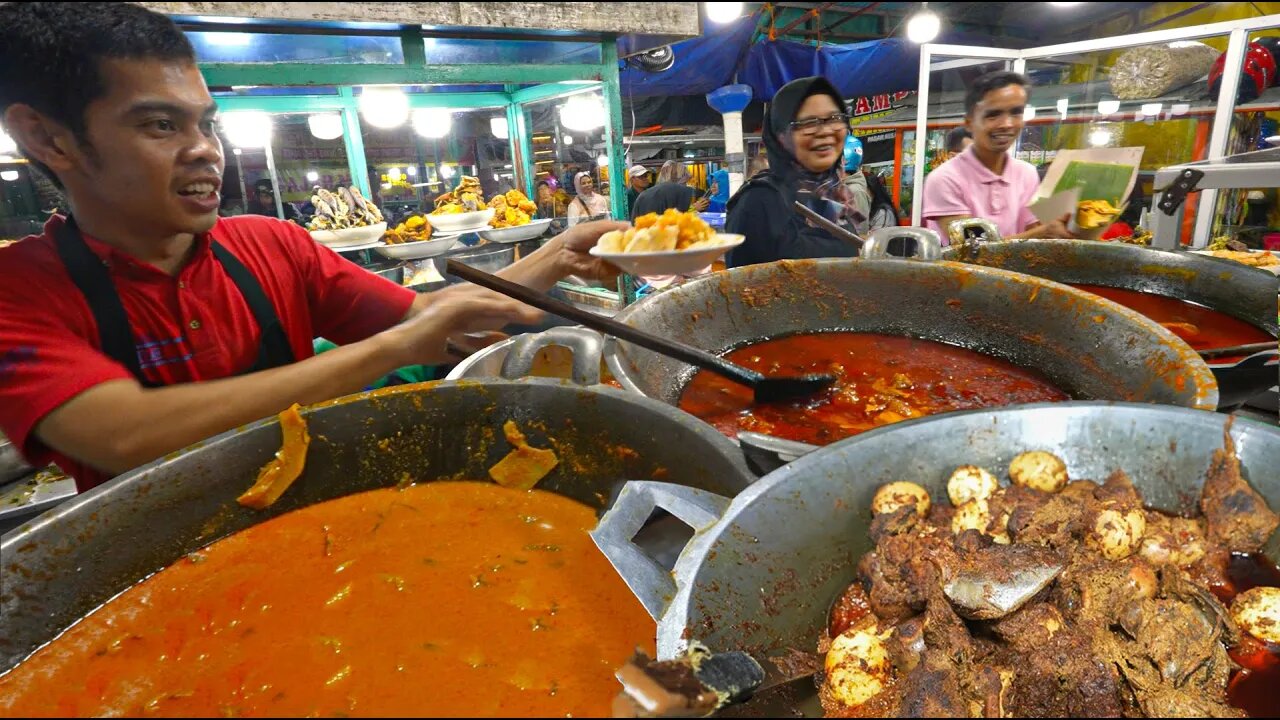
[867, 68]
[701, 65]
[709, 62]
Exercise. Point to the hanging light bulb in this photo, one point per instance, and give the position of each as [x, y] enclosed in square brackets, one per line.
[446, 171]
[394, 175]
[498, 126]
[568, 140]
[247, 129]
[313, 176]
[723, 12]
[923, 27]
[325, 126]
[432, 123]
[384, 107]
[583, 113]
[1099, 138]
[412, 170]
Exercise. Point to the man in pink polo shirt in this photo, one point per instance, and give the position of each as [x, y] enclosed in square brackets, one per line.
[985, 181]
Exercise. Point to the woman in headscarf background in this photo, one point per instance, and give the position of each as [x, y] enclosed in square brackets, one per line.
[719, 191]
[672, 191]
[589, 204]
[804, 136]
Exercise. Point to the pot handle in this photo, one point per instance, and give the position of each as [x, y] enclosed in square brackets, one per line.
[586, 345]
[648, 580]
[766, 453]
[928, 246]
[987, 231]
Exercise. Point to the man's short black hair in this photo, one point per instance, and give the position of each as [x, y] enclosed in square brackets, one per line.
[990, 82]
[50, 53]
[264, 185]
[956, 137]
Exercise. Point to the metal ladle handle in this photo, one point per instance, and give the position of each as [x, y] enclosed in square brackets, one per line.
[927, 245]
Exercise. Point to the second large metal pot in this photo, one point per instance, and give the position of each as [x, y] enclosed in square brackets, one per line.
[764, 568]
[1245, 293]
[1089, 347]
[65, 563]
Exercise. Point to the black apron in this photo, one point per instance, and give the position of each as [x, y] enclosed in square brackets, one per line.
[90, 275]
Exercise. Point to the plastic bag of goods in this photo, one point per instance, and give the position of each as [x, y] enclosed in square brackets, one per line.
[1154, 70]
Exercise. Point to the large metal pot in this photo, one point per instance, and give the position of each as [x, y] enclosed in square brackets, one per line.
[67, 562]
[1089, 347]
[1245, 293]
[764, 568]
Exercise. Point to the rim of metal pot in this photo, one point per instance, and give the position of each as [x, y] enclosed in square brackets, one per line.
[1206, 397]
[697, 426]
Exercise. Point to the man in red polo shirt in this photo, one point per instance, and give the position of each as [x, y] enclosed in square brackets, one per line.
[140, 322]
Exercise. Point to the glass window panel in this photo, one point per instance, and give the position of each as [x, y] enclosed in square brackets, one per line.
[560, 153]
[407, 171]
[459, 51]
[244, 47]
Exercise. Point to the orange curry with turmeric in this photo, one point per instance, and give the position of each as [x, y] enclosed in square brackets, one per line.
[881, 379]
[443, 599]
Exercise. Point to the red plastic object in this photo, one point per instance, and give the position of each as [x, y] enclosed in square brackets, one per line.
[1258, 73]
[1271, 241]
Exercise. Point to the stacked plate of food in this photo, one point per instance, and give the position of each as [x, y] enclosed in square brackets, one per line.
[462, 210]
[345, 220]
[673, 243]
[513, 219]
[415, 239]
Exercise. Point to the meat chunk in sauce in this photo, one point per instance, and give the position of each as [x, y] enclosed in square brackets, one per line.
[1135, 633]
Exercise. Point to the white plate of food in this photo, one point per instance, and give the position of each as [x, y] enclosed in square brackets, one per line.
[519, 233]
[348, 237]
[461, 222]
[1261, 259]
[670, 262]
[420, 249]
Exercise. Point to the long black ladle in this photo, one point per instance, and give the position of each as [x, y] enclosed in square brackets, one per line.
[767, 389]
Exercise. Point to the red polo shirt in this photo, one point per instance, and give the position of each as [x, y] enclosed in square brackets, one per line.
[191, 326]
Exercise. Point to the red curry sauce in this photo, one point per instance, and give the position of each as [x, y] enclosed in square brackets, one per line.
[1200, 327]
[881, 379]
[444, 599]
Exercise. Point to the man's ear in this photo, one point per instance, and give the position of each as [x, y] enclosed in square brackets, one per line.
[42, 139]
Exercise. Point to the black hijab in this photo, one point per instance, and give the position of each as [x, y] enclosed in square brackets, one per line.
[799, 182]
[763, 209]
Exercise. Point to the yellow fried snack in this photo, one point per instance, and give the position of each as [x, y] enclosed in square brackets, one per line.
[1092, 214]
[277, 475]
[524, 466]
[672, 230]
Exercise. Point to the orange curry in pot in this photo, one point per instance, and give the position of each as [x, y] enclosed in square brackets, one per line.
[881, 379]
[442, 599]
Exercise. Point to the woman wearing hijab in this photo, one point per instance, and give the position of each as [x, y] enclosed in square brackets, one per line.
[804, 136]
[672, 191]
[719, 191]
[589, 204]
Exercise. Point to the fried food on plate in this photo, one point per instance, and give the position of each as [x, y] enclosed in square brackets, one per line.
[672, 230]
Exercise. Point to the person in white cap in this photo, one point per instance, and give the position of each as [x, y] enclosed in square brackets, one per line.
[638, 177]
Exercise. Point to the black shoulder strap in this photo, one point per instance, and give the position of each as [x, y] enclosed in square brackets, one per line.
[274, 349]
[89, 273]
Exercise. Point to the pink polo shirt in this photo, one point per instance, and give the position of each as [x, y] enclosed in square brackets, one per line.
[964, 186]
